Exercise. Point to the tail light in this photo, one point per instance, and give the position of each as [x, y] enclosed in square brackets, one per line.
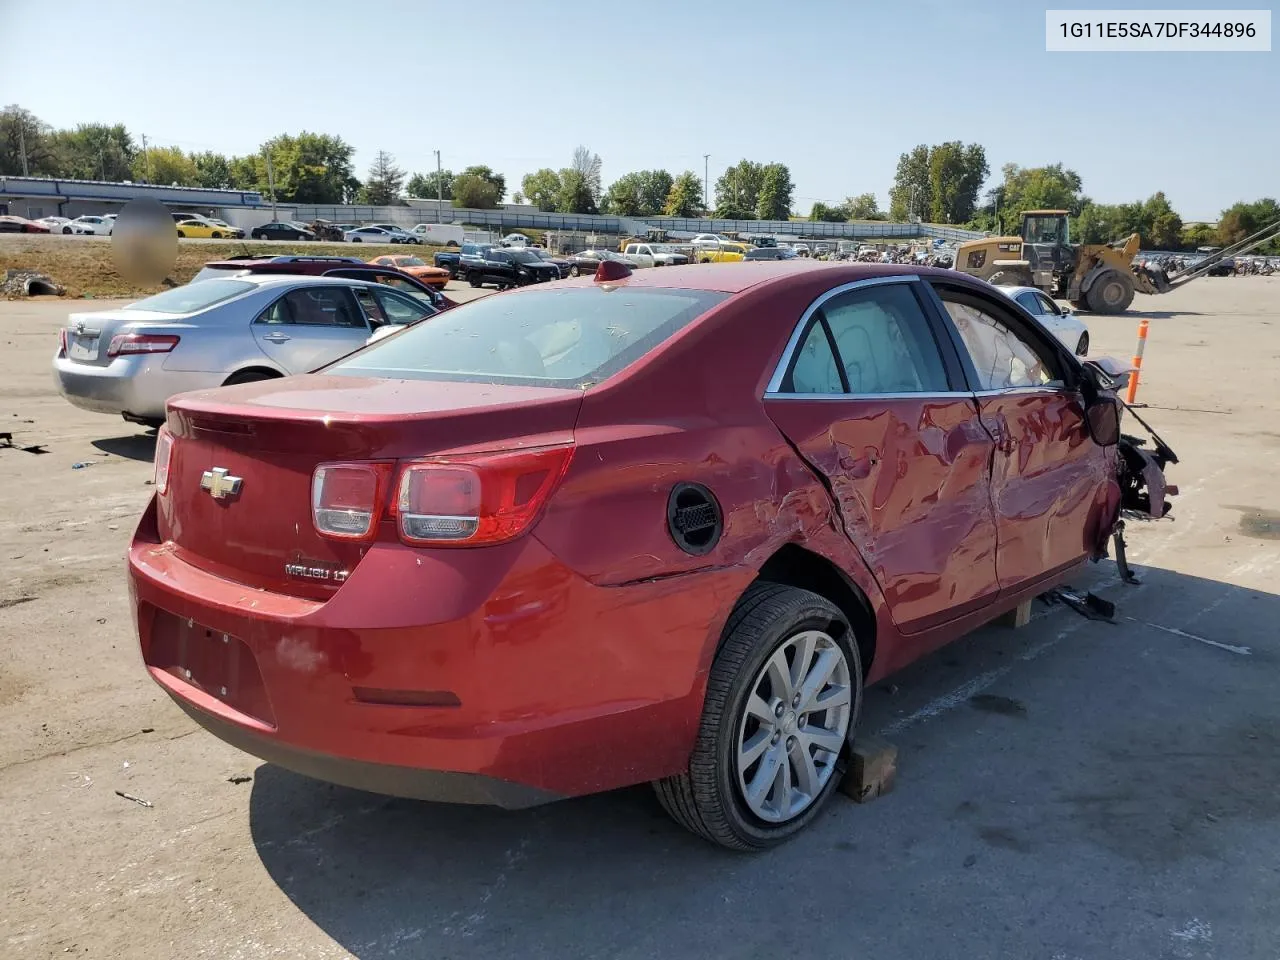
[62, 342]
[346, 498]
[127, 343]
[164, 450]
[481, 499]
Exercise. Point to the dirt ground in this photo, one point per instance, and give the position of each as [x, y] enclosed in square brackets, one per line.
[1069, 790]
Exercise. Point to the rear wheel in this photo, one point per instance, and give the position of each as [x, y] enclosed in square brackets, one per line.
[217, 235]
[66, 230]
[356, 240]
[1111, 293]
[782, 699]
[475, 281]
[1010, 278]
[574, 271]
[181, 234]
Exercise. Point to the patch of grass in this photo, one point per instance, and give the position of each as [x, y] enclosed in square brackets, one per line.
[84, 265]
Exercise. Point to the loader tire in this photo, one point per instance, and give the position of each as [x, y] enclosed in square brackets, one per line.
[1010, 278]
[1111, 293]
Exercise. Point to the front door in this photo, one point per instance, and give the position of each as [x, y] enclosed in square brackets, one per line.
[310, 326]
[873, 397]
[1048, 478]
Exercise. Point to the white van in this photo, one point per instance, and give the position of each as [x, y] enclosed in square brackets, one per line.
[444, 234]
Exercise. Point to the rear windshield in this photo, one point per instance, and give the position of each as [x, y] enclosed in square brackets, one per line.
[192, 297]
[555, 338]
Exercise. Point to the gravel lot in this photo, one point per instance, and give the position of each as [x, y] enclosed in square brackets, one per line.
[1070, 790]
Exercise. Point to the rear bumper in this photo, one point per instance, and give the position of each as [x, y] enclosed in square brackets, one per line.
[136, 385]
[500, 677]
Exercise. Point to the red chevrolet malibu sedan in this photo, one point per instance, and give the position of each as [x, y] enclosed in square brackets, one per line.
[660, 527]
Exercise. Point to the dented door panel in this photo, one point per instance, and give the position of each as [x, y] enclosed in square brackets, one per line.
[910, 480]
[1051, 485]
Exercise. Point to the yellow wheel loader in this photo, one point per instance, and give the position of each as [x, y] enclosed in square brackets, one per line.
[1100, 277]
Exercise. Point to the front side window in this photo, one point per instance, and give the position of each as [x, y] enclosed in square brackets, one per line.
[1001, 358]
[400, 310]
[543, 337]
[1047, 306]
[882, 343]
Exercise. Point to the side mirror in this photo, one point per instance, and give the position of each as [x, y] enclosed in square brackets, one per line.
[1103, 418]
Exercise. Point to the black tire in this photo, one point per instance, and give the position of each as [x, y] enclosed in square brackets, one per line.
[356, 240]
[475, 281]
[1082, 345]
[452, 245]
[181, 235]
[66, 231]
[1010, 278]
[574, 271]
[705, 800]
[217, 235]
[1112, 292]
[248, 376]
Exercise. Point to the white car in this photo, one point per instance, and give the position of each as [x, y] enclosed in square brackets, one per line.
[1057, 319]
[516, 240]
[708, 240]
[90, 226]
[55, 224]
[654, 255]
[801, 249]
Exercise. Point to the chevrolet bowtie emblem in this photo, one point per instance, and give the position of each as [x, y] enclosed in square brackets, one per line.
[219, 483]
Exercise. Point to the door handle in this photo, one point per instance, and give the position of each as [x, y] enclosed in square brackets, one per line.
[276, 338]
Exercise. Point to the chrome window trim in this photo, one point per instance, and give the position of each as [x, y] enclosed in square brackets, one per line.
[1011, 391]
[774, 387]
[943, 395]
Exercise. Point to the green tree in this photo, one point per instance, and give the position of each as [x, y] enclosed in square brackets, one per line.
[685, 196]
[1199, 235]
[21, 131]
[862, 207]
[638, 194]
[1037, 188]
[575, 194]
[166, 165]
[385, 182]
[248, 173]
[542, 188]
[213, 169]
[498, 181]
[425, 185]
[1241, 220]
[317, 168]
[775, 193]
[475, 192]
[910, 194]
[95, 151]
[956, 174]
[587, 167]
[822, 212]
[737, 190]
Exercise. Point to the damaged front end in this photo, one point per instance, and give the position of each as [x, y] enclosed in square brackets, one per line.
[1144, 491]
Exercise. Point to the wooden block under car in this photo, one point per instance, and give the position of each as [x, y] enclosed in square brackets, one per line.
[873, 765]
[1019, 616]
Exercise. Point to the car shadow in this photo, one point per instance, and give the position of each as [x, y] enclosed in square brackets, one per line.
[611, 875]
[135, 446]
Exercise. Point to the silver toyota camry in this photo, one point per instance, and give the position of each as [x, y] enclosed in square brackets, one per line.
[130, 361]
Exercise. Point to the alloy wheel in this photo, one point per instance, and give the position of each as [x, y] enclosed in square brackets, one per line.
[794, 723]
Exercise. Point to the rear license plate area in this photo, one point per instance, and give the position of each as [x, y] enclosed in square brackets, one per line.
[83, 347]
[217, 663]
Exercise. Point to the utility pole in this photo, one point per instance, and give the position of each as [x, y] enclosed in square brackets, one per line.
[271, 182]
[22, 145]
[146, 157]
[439, 189]
[706, 166]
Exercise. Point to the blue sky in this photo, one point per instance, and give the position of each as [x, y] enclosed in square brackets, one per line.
[836, 90]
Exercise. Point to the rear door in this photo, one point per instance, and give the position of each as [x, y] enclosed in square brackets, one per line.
[307, 327]
[871, 394]
[1049, 480]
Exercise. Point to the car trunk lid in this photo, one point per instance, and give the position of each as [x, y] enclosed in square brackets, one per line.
[89, 334]
[272, 435]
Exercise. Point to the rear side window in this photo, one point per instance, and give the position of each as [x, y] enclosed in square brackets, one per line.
[554, 338]
[315, 307]
[208, 273]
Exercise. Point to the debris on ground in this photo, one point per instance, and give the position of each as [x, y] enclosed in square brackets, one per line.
[82, 464]
[238, 780]
[30, 283]
[138, 800]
